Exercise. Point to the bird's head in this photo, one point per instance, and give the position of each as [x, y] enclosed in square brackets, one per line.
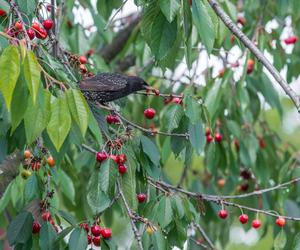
[136, 83]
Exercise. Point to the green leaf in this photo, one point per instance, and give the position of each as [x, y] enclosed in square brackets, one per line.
[196, 136]
[204, 24]
[94, 128]
[150, 149]
[32, 188]
[47, 236]
[19, 103]
[159, 241]
[280, 240]
[78, 239]
[27, 6]
[97, 199]
[192, 109]
[37, 116]
[66, 185]
[79, 109]
[213, 99]
[163, 36]
[60, 122]
[20, 229]
[68, 217]
[169, 8]
[32, 73]
[172, 116]
[165, 212]
[5, 197]
[10, 70]
[4, 6]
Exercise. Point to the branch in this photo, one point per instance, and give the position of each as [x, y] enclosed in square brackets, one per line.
[207, 239]
[257, 53]
[131, 216]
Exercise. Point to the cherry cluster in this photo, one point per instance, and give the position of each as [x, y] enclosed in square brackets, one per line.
[118, 159]
[95, 232]
[209, 138]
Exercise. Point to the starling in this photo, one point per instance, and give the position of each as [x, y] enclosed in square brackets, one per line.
[106, 87]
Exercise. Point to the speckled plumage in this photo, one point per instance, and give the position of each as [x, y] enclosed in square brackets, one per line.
[106, 87]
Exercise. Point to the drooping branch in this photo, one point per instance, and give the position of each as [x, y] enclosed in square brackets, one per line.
[256, 52]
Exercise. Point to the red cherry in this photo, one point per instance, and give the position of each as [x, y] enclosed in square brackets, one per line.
[122, 169]
[176, 100]
[18, 25]
[41, 33]
[241, 20]
[262, 143]
[280, 222]
[106, 233]
[246, 174]
[2, 12]
[223, 214]
[113, 157]
[82, 60]
[36, 26]
[244, 187]
[101, 156]
[121, 159]
[243, 218]
[236, 144]
[250, 66]
[141, 197]
[36, 227]
[218, 137]
[256, 223]
[97, 241]
[208, 139]
[46, 216]
[31, 34]
[95, 229]
[291, 40]
[89, 239]
[149, 113]
[112, 119]
[85, 226]
[90, 52]
[221, 72]
[49, 7]
[207, 131]
[35, 166]
[48, 23]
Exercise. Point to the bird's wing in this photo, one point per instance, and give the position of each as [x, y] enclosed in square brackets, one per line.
[104, 82]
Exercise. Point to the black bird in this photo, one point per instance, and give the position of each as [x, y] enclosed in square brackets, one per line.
[106, 87]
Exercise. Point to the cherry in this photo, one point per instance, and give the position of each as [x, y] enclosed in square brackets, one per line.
[256, 223]
[207, 131]
[176, 100]
[122, 169]
[149, 230]
[236, 144]
[280, 222]
[149, 113]
[221, 183]
[82, 59]
[244, 187]
[101, 156]
[51, 161]
[49, 7]
[246, 174]
[46, 216]
[113, 157]
[112, 119]
[41, 33]
[35, 166]
[48, 23]
[218, 137]
[191, 2]
[141, 197]
[121, 159]
[250, 66]
[291, 40]
[27, 154]
[262, 143]
[82, 68]
[95, 229]
[97, 241]
[89, 239]
[243, 218]
[241, 20]
[221, 72]
[90, 52]
[208, 139]
[36, 26]
[106, 233]
[223, 214]
[85, 226]
[31, 34]
[2, 12]
[18, 25]
[25, 174]
[36, 227]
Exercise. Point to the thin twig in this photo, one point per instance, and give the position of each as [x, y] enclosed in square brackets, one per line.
[113, 17]
[131, 216]
[257, 53]
[207, 239]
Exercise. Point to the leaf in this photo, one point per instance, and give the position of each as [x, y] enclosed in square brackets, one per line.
[66, 185]
[20, 229]
[5, 197]
[192, 109]
[159, 241]
[27, 6]
[104, 175]
[169, 8]
[79, 109]
[163, 36]
[94, 128]
[78, 239]
[213, 99]
[32, 188]
[60, 122]
[19, 103]
[204, 24]
[68, 217]
[32, 74]
[172, 116]
[196, 136]
[165, 213]
[47, 236]
[4, 6]
[37, 116]
[10, 70]
[280, 240]
[150, 149]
